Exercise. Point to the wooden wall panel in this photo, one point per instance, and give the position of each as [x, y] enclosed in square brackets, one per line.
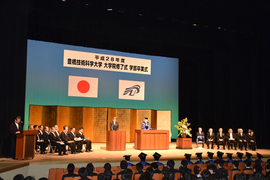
[164, 121]
[154, 119]
[75, 117]
[99, 123]
[62, 117]
[35, 115]
[49, 115]
[111, 114]
[123, 117]
[87, 122]
[133, 124]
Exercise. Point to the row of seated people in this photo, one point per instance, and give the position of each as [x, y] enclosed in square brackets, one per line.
[233, 140]
[58, 141]
[158, 170]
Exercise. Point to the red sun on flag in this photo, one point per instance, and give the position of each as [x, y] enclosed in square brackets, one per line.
[83, 86]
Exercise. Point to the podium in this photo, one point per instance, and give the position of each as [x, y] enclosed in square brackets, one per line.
[25, 144]
[116, 141]
[151, 139]
[184, 143]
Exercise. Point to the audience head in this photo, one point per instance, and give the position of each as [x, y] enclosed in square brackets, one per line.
[220, 163]
[156, 156]
[142, 156]
[184, 163]
[259, 176]
[187, 156]
[220, 154]
[126, 176]
[210, 155]
[123, 164]
[268, 161]
[197, 170]
[29, 178]
[206, 174]
[170, 164]
[257, 168]
[259, 156]
[235, 164]
[251, 177]
[107, 166]
[70, 168]
[239, 155]
[82, 172]
[154, 166]
[239, 177]
[139, 167]
[90, 168]
[150, 171]
[127, 157]
[248, 164]
[18, 177]
[199, 156]
[267, 168]
[248, 155]
[223, 173]
[251, 133]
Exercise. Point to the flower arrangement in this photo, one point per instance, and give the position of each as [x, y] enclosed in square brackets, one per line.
[183, 128]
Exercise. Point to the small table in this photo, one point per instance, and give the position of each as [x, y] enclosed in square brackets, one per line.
[184, 143]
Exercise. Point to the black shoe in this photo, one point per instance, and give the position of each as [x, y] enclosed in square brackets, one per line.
[60, 154]
[65, 154]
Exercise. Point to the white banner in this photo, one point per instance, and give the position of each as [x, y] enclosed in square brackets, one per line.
[105, 62]
[82, 86]
[133, 90]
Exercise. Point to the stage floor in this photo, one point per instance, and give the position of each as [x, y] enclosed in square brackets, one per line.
[99, 155]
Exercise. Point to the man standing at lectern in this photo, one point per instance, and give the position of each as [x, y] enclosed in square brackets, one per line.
[114, 125]
[145, 124]
[15, 128]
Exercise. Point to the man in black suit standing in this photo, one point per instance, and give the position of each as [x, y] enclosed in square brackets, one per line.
[56, 141]
[65, 138]
[114, 125]
[220, 138]
[14, 129]
[77, 141]
[231, 139]
[85, 141]
[210, 138]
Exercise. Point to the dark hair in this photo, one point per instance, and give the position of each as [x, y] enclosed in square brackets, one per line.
[72, 128]
[139, 166]
[82, 172]
[150, 171]
[145, 176]
[184, 163]
[80, 128]
[236, 163]
[257, 161]
[70, 168]
[239, 177]
[18, 177]
[220, 163]
[248, 163]
[251, 177]
[206, 174]
[35, 126]
[197, 170]
[211, 167]
[223, 173]
[154, 165]
[258, 168]
[29, 178]
[170, 164]
[267, 166]
[64, 127]
[89, 168]
[126, 176]
[123, 164]
[18, 117]
[259, 176]
[107, 166]
[43, 178]
[40, 126]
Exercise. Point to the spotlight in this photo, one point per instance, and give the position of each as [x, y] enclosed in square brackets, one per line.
[109, 9]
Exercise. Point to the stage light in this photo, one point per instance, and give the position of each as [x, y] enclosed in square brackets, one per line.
[194, 25]
[64, 0]
[109, 9]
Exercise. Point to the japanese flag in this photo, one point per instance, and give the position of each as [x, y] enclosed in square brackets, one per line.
[82, 86]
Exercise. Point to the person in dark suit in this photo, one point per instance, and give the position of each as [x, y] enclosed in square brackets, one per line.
[123, 165]
[248, 164]
[235, 166]
[70, 173]
[242, 142]
[220, 136]
[39, 141]
[83, 173]
[65, 138]
[85, 141]
[114, 125]
[56, 141]
[78, 142]
[90, 170]
[14, 129]
[231, 139]
[46, 136]
[252, 141]
[200, 137]
[210, 138]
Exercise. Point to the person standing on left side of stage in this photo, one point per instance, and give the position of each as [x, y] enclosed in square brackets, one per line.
[199, 156]
[114, 126]
[142, 156]
[127, 158]
[210, 158]
[156, 157]
[14, 129]
[145, 124]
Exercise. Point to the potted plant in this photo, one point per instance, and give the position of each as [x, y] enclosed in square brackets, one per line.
[183, 128]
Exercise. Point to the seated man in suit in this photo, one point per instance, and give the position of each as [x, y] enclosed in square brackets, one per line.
[145, 124]
[242, 142]
[40, 141]
[46, 136]
[200, 137]
[114, 125]
[252, 141]
[210, 138]
[220, 138]
[78, 141]
[56, 141]
[231, 139]
[85, 141]
[65, 138]
[15, 128]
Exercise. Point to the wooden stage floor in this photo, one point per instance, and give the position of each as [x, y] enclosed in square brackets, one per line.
[99, 155]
